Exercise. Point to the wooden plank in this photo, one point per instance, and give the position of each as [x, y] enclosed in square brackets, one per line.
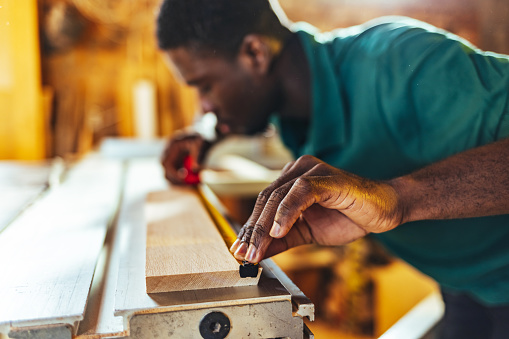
[100, 319]
[143, 177]
[140, 175]
[185, 251]
[238, 176]
[20, 185]
[49, 253]
[13, 200]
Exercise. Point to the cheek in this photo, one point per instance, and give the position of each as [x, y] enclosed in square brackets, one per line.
[235, 95]
[243, 99]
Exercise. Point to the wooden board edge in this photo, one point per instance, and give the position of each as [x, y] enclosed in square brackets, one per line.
[209, 281]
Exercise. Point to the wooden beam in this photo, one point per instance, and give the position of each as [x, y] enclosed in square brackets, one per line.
[21, 183]
[144, 176]
[49, 253]
[184, 248]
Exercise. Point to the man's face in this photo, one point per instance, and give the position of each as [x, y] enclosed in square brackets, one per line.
[240, 94]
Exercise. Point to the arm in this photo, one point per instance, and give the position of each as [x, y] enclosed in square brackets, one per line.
[315, 202]
[474, 183]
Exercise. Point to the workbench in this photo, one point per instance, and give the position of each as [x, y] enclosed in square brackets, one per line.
[72, 262]
[72, 258]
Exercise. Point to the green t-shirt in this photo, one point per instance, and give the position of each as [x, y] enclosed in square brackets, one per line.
[392, 97]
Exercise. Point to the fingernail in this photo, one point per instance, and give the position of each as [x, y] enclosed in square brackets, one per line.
[251, 253]
[275, 230]
[240, 253]
[234, 246]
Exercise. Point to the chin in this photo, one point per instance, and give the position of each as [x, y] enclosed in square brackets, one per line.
[255, 130]
[249, 130]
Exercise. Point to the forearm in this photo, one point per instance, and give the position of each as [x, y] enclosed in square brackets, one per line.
[474, 183]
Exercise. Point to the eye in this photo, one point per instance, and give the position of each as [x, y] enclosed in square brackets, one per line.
[204, 89]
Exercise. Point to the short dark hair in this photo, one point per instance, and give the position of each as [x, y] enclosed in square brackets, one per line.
[216, 25]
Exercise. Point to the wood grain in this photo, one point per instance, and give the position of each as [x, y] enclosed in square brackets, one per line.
[144, 176]
[184, 248]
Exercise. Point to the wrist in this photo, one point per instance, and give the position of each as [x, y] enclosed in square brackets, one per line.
[403, 189]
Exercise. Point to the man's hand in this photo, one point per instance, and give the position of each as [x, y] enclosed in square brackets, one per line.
[298, 208]
[312, 202]
[180, 146]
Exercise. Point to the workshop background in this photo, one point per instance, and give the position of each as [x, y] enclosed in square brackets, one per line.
[73, 72]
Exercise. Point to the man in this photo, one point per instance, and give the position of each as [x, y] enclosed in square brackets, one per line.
[410, 124]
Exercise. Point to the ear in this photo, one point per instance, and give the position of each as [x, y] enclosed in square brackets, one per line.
[257, 52]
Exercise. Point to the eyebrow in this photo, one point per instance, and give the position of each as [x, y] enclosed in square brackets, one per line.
[196, 80]
[193, 82]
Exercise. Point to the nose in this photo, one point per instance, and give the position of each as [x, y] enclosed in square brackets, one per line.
[206, 105]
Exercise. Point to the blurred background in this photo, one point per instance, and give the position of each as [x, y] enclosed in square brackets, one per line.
[74, 72]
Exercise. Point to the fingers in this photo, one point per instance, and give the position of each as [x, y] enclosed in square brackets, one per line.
[299, 234]
[289, 172]
[256, 230]
[283, 212]
[287, 167]
[300, 196]
[175, 152]
[240, 247]
[330, 227]
[338, 207]
[261, 236]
